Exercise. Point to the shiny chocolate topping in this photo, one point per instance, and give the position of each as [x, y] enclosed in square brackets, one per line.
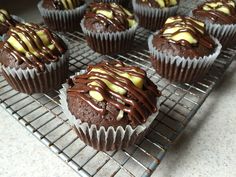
[112, 82]
[34, 45]
[6, 19]
[218, 11]
[186, 31]
[158, 3]
[110, 14]
[63, 4]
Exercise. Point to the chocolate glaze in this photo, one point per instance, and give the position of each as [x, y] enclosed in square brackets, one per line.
[119, 22]
[174, 49]
[58, 5]
[44, 54]
[154, 3]
[196, 32]
[214, 15]
[138, 109]
[8, 21]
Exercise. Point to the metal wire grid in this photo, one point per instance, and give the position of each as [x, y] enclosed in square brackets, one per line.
[41, 114]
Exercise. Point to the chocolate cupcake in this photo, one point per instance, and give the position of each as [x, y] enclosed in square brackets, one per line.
[111, 105]
[33, 59]
[182, 51]
[220, 19]
[152, 14]
[62, 15]
[109, 28]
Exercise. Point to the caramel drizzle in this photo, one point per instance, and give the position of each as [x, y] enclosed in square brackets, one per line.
[191, 27]
[138, 109]
[214, 14]
[8, 21]
[119, 20]
[45, 55]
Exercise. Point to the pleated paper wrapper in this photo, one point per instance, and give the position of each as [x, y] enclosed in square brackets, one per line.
[62, 20]
[32, 81]
[225, 33]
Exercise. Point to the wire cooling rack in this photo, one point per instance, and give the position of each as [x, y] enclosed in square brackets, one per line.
[42, 116]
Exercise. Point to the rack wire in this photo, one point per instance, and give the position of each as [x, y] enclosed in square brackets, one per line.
[41, 114]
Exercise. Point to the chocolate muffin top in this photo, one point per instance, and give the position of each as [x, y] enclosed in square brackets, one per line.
[185, 37]
[32, 46]
[6, 21]
[62, 4]
[112, 94]
[217, 11]
[108, 17]
[158, 3]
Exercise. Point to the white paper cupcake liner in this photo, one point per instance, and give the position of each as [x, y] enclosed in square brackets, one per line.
[225, 33]
[109, 43]
[62, 20]
[181, 69]
[31, 81]
[19, 19]
[153, 18]
[101, 138]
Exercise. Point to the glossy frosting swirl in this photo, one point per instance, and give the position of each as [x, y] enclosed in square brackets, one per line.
[185, 31]
[218, 11]
[112, 82]
[158, 3]
[6, 19]
[63, 4]
[34, 45]
[108, 16]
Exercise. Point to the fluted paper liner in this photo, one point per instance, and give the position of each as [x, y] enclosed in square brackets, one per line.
[153, 18]
[109, 43]
[225, 33]
[181, 69]
[62, 20]
[101, 138]
[19, 19]
[31, 81]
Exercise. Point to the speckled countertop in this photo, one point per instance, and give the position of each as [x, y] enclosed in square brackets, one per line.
[207, 147]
